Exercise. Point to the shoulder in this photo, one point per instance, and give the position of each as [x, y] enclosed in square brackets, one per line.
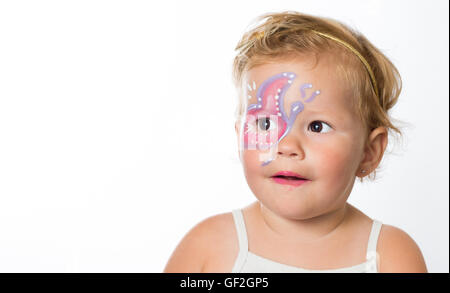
[194, 250]
[398, 252]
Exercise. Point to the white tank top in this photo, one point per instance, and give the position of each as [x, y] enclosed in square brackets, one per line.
[248, 262]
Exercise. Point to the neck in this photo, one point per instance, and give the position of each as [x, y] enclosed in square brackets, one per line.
[307, 231]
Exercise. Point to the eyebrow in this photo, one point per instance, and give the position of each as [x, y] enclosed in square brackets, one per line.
[324, 111]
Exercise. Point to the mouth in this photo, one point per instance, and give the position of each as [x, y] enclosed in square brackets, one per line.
[289, 178]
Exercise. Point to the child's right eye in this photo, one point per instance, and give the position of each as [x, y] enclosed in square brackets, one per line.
[265, 124]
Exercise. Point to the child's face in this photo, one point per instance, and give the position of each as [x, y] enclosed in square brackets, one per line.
[303, 122]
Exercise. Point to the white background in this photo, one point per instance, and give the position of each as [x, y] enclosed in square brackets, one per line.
[117, 131]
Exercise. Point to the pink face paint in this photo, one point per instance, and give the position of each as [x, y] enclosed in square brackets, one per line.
[269, 110]
[269, 102]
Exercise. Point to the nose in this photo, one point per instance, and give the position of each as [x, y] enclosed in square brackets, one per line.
[290, 147]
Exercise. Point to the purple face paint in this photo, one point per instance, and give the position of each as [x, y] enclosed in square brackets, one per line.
[269, 110]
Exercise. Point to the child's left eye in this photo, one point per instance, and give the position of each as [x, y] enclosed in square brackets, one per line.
[265, 124]
[317, 126]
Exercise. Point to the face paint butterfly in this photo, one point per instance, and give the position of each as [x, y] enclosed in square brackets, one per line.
[266, 112]
[269, 111]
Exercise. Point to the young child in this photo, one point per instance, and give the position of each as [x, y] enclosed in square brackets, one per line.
[313, 115]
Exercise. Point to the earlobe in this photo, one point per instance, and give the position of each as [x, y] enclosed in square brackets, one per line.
[374, 151]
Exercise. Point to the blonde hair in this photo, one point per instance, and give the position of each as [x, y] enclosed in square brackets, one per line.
[287, 34]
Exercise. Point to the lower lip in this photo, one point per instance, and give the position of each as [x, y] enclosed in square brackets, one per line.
[289, 182]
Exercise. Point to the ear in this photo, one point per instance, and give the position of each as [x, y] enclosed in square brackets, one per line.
[374, 151]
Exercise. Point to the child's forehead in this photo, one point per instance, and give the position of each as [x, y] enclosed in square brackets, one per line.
[335, 98]
[322, 74]
[306, 67]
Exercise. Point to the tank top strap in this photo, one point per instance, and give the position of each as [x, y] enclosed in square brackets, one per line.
[242, 238]
[240, 228]
[373, 240]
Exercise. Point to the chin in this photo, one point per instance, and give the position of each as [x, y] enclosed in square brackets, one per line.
[290, 208]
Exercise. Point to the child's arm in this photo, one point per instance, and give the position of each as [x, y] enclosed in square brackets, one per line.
[191, 253]
[398, 252]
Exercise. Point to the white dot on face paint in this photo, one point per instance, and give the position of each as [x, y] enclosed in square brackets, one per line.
[284, 74]
[289, 81]
[279, 114]
[317, 92]
[276, 103]
[278, 109]
[279, 90]
[276, 97]
[291, 76]
[259, 106]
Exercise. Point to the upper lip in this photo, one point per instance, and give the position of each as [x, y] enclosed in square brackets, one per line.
[289, 173]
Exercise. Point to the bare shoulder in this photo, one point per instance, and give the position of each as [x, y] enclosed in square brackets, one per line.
[196, 250]
[398, 252]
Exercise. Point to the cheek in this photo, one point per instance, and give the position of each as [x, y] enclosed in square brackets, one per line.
[251, 162]
[255, 174]
[335, 162]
